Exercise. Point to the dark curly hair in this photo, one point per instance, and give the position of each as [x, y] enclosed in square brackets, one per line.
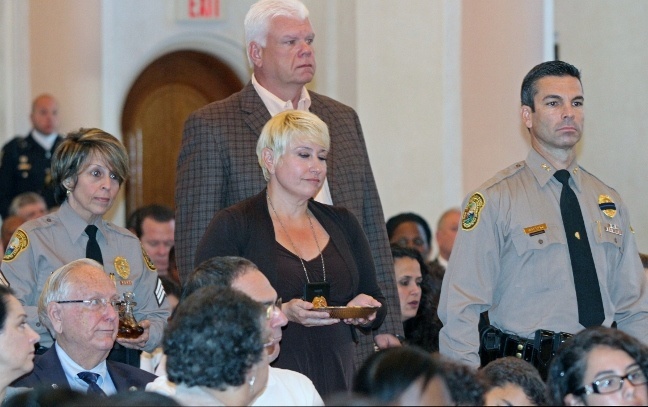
[466, 388]
[568, 367]
[214, 338]
[386, 374]
[549, 68]
[423, 329]
[511, 370]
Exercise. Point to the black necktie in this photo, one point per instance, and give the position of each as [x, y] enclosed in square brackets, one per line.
[588, 292]
[91, 379]
[92, 249]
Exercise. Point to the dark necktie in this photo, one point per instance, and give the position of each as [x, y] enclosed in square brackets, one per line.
[588, 292]
[91, 379]
[92, 249]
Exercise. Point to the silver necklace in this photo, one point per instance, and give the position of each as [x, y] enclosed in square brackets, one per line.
[293, 244]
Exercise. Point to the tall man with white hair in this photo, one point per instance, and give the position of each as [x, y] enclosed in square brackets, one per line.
[217, 166]
[78, 305]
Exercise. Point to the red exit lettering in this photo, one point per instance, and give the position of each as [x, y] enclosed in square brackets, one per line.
[203, 8]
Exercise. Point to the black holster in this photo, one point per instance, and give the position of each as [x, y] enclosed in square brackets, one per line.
[539, 351]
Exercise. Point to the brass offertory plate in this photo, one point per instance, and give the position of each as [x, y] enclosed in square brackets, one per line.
[348, 312]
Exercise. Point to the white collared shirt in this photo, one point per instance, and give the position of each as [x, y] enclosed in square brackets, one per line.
[71, 369]
[45, 140]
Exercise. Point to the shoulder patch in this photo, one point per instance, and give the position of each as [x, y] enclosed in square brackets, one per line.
[17, 244]
[470, 216]
[147, 260]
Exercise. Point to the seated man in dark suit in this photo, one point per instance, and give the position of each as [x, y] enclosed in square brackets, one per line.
[79, 306]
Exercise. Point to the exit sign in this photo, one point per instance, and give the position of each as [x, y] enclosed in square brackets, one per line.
[201, 10]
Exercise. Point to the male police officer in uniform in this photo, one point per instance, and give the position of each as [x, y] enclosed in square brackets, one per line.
[25, 161]
[513, 256]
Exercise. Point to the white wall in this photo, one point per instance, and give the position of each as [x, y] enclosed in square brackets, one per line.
[15, 86]
[494, 62]
[607, 42]
[401, 101]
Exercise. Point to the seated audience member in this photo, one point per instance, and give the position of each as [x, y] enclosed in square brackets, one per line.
[511, 381]
[78, 306]
[285, 387]
[216, 348]
[410, 230]
[154, 225]
[406, 376]
[17, 341]
[154, 362]
[418, 299]
[463, 384]
[599, 366]
[446, 233]
[28, 205]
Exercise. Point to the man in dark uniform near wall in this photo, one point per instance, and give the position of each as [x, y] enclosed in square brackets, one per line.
[25, 160]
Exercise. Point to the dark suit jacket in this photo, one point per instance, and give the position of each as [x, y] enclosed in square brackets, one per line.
[49, 372]
[246, 230]
[218, 167]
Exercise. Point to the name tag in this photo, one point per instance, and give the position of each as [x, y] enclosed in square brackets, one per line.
[126, 282]
[536, 230]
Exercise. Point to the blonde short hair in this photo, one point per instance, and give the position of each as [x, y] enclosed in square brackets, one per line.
[289, 126]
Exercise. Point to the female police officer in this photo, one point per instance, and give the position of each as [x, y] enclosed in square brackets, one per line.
[88, 169]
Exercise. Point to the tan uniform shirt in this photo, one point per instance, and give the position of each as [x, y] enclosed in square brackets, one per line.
[511, 258]
[43, 245]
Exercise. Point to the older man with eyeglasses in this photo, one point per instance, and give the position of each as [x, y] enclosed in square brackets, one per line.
[78, 305]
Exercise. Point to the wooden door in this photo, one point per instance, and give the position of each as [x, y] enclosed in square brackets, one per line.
[156, 107]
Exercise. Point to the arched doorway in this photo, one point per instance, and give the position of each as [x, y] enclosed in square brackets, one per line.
[156, 107]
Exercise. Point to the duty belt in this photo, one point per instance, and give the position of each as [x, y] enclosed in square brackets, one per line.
[538, 351]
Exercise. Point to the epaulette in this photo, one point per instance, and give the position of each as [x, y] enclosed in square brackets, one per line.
[120, 230]
[502, 175]
[43, 222]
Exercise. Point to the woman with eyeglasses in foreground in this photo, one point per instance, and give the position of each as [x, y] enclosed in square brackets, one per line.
[599, 366]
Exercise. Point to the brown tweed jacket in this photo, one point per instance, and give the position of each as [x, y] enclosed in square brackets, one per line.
[218, 167]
